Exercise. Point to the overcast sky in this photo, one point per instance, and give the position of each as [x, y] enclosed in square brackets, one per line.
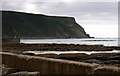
[99, 19]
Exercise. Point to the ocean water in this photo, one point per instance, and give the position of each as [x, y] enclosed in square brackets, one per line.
[83, 41]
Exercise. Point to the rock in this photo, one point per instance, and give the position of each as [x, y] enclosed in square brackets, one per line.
[4, 70]
[24, 73]
[107, 70]
[92, 61]
[28, 53]
[72, 56]
[47, 55]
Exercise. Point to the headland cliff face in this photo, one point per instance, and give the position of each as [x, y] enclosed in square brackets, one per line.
[26, 25]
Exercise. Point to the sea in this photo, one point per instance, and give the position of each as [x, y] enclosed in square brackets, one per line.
[81, 41]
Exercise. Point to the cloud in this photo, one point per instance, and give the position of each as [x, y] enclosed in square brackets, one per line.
[86, 13]
[60, 1]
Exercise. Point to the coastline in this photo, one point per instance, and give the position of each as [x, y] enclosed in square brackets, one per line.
[55, 47]
[107, 62]
[20, 48]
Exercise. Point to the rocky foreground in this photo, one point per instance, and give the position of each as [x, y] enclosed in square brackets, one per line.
[109, 60]
[25, 65]
[99, 58]
[104, 59]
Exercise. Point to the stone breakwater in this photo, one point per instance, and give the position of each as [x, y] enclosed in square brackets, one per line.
[55, 66]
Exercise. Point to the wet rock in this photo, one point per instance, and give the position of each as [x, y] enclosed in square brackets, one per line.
[92, 61]
[115, 58]
[72, 56]
[47, 55]
[28, 53]
[12, 47]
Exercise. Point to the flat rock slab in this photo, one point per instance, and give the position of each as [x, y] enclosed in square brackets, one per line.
[24, 73]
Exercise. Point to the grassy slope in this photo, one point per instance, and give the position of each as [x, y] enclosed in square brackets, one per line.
[40, 26]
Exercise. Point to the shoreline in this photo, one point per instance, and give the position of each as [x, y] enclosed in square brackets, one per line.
[20, 48]
[16, 47]
[108, 60]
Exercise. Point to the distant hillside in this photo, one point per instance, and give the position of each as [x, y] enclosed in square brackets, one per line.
[26, 25]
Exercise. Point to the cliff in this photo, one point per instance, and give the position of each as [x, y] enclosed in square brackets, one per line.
[27, 25]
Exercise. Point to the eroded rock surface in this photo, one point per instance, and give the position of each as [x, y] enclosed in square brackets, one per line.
[56, 66]
[24, 73]
[19, 48]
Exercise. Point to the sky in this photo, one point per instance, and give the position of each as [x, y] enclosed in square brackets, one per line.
[99, 19]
